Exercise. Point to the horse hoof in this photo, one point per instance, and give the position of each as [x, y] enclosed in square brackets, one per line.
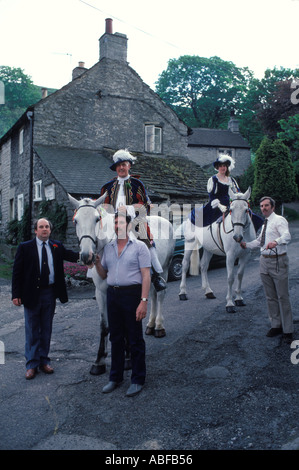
[128, 364]
[97, 370]
[240, 303]
[160, 333]
[150, 330]
[183, 297]
[230, 309]
[210, 295]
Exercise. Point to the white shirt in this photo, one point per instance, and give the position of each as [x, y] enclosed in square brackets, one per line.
[277, 231]
[39, 244]
[121, 197]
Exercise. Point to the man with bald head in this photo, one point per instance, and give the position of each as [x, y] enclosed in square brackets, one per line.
[37, 281]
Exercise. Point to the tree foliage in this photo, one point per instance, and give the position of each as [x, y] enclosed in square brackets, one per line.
[290, 134]
[274, 173]
[20, 93]
[202, 91]
[277, 104]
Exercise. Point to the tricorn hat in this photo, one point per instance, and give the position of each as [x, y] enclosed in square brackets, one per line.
[223, 158]
[122, 156]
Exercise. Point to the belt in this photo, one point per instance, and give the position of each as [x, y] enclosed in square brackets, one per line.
[273, 256]
[131, 286]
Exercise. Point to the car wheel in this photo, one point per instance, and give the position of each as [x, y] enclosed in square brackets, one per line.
[175, 270]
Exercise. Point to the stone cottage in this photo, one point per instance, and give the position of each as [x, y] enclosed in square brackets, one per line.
[64, 143]
[204, 145]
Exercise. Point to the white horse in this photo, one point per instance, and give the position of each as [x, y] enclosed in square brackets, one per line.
[220, 238]
[94, 229]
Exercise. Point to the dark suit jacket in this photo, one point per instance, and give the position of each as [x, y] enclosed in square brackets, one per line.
[26, 272]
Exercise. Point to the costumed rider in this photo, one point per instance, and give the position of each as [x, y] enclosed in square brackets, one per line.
[218, 188]
[128, 191]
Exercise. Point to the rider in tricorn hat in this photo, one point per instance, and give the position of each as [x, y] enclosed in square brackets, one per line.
[128, 191]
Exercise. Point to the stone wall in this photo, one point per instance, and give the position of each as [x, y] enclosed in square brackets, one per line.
[107, 106]
[5, 168]
[205, 156]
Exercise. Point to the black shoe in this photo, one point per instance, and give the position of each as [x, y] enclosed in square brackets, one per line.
[274, 332]
[287, 338]
[158, 282]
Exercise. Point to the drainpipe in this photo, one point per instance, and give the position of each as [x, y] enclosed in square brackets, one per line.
[30, 118]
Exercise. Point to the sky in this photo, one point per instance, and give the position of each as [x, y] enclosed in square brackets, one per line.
[48, 38]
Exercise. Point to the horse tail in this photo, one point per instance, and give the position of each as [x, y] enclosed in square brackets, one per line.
[194, 261]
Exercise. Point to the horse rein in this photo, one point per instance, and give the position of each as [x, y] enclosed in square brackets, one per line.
[221, 248]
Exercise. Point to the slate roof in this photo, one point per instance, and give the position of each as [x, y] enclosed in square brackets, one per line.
[201, 137]
[78, 171]
[84, 172]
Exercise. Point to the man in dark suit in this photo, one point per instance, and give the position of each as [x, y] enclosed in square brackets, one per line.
[37, 281]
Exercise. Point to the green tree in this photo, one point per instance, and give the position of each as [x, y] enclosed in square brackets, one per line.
[274, 173]
[290, 134]
[203, 92]
[275, 102]
[20, 92]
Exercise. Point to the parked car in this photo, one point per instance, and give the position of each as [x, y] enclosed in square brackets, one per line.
[175, 268]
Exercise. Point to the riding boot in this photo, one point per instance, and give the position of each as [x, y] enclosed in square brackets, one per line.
[158, 282]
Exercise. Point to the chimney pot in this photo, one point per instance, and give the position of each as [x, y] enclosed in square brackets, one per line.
[109, 25]
[81, 64]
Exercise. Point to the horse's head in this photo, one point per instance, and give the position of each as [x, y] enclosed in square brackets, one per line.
[86, 219]
[239, 209]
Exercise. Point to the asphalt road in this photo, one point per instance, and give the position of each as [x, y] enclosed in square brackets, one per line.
[214, 382]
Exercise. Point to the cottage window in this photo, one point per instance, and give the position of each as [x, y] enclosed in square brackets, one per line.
[38, 190]
[50, 192]
[153, 138]
[225, 152]
[20, 206]
[11, 209]
[21, 141]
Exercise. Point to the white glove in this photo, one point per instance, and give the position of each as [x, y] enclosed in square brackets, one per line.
[215, 203]
[222, 207]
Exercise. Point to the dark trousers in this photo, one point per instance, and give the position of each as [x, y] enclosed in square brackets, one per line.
[121, 305]
[38, 329]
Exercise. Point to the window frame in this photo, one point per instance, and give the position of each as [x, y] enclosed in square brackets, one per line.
[153, 138]
[20, 206]
[38, 190]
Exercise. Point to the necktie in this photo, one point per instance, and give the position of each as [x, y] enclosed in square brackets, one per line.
[44, 277]
[264, 233]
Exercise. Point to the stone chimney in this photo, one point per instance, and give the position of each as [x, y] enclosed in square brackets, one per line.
[113, 46]
[77, 71]
[233, 124]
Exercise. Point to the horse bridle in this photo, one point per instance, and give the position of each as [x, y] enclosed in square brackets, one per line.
[87, 236]
[234, 224]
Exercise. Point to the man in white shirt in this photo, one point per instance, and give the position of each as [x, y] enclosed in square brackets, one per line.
[274, 269]
[126, 265]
